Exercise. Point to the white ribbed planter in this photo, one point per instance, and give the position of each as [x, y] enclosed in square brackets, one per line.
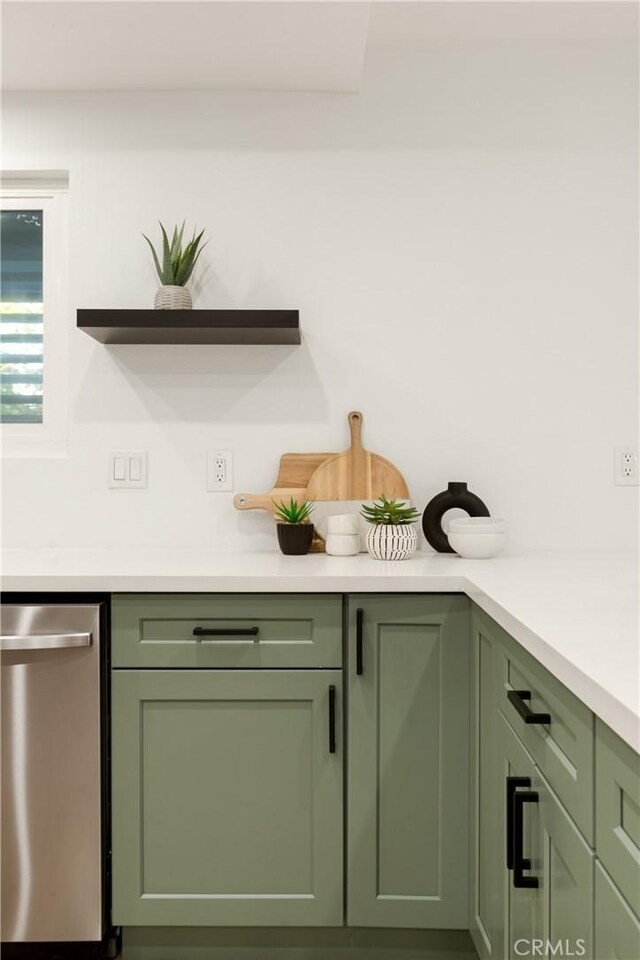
[392, 541]
[173, 298]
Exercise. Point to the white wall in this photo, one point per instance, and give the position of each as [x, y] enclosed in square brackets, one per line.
[461, 241]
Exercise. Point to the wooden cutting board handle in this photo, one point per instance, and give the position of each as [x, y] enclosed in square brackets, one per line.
[252, 501]
[355, 428]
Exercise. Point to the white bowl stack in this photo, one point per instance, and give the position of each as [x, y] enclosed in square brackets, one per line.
[343, 535]
[477, 538]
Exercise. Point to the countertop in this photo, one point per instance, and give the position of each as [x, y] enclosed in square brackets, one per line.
[577, 614]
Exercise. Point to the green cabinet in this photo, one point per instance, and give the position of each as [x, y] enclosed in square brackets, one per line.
[617, 927]
[487, 867]
[227, 798]
[558, 912]
[509, 919]
[408, 761]
[618, 812]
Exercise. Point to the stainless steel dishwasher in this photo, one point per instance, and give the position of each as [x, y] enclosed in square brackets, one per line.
[53, 772]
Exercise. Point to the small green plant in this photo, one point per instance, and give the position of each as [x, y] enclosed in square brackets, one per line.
[389, 512]
[177, 261]
[292, 512]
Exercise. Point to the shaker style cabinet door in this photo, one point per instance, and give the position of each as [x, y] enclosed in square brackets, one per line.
[617, 927]
[487, 854]
[227, 798]
[408, 761]
[519, 851]
[549, 865]
[567, 881]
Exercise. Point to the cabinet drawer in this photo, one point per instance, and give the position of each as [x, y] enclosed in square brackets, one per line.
[563, 749]
[618, 812]
[226, 631]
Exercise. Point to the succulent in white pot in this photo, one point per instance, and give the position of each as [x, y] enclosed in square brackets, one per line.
[175, 268]
[391, 534]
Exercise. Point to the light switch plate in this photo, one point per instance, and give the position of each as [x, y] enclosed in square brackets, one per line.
[127, 469]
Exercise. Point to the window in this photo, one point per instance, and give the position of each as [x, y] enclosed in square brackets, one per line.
[21, 327]
[34, 321]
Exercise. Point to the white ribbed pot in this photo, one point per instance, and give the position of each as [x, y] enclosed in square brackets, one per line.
[173, 298]
[392, 541]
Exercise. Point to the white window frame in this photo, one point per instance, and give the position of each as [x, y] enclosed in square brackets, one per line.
[49, 438]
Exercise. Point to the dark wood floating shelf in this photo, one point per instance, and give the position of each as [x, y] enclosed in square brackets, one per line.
[191, 326]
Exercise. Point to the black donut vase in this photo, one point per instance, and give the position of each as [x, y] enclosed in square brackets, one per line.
[456, 495]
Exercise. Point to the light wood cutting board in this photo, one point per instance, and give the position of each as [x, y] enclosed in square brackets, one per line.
[296, 469]
[357, 474]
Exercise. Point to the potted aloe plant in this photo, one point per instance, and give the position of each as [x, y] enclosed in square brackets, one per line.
[174, 267]
[295, 532]
[391, 534]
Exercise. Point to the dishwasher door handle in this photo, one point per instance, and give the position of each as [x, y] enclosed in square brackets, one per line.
[45, 641]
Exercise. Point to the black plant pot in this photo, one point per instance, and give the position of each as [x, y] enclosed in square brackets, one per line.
[295, 538]
[456, 495]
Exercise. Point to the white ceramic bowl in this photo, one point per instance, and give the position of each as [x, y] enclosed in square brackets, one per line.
[476, 525]
[477, 546]
[347, 524]
[342, 544]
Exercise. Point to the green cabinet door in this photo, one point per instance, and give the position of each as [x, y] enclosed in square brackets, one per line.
[566, 867]
[523, 905]
[487, 864]
[227, 798]
[617, 927]
[408, 761]
[558, 913]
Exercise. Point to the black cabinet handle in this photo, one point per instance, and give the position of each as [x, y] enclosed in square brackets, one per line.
[520, 863]
[332, 719]
[359, 642]
[226, 632]
[517, 699]
[512, 785]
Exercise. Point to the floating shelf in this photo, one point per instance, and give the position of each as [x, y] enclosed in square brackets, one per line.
[191, 326]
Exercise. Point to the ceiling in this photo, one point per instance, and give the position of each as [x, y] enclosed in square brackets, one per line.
[183, 45]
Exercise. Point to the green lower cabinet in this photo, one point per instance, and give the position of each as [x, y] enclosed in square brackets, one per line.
[617, 927]
[408, 762]
[227, 799]
[487, 865]
[523, 904]
[556, 916]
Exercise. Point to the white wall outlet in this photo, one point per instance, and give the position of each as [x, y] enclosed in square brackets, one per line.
[127, 469]
[626, 472]
[219, 470]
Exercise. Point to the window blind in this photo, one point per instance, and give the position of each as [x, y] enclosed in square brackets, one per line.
[21, 316]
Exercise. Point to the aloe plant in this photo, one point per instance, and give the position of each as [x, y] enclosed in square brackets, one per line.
[177, 262]
[293, 512]
[389, 512]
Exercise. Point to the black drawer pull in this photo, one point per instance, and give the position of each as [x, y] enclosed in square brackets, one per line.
[229, 632]
[517, 698]
[359, 642]
[512, 785]
[520, 863]
[332, 719]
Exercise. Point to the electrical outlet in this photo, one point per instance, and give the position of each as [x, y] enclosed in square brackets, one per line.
[219, 470]
[127, 469]
[626, 472]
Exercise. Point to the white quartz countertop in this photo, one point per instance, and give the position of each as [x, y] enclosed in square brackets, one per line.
[577, 614]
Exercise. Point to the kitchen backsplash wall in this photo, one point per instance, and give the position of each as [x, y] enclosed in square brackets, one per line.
[460, 238]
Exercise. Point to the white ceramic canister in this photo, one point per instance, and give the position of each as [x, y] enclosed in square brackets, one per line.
[342, 544]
